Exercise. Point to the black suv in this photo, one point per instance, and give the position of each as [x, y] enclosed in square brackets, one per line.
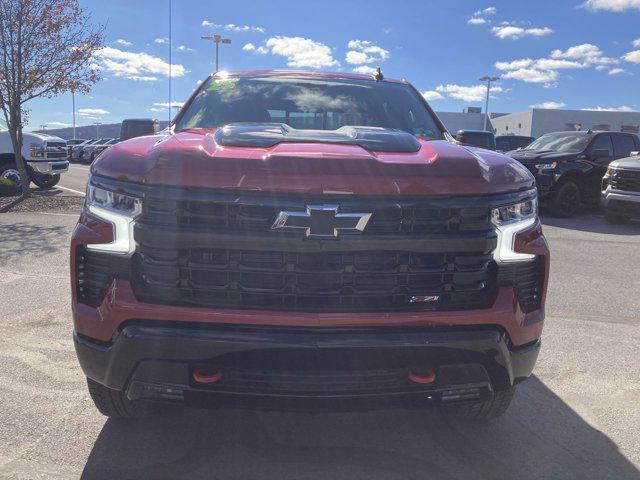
[569, 166]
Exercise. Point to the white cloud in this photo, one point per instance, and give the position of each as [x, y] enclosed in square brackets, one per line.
[143, 78]
[362, 52]
[302, 52]
[621, 108]
[636, 42]
[161, 40]
[611, 5]
[184, 48]
[123, 42]
[585, 52]
[512, 32]
[532, 75]
[549, 105]
[165, 105]
[249, 47]
[633, 57]
[514, 64]
[431, 95]
[91, 112]
[617, 71]
[477, 17]
[232, 27]
[134, 66]
[58, 124]
[557, 64]
[365, 70]
[475, 93]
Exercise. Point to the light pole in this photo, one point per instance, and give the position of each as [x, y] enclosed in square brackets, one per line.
[217, 39]
[43, 128]
[97, 124]
[486, 103]
[73, 104]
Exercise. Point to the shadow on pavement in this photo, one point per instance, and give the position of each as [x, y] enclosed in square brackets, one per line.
[17, 239]
[539, 437]
[589, 222]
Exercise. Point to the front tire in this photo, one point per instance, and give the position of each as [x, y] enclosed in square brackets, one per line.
[115, 404]
[566, 200]
[616, 218]
[46, 181]
[487, 409]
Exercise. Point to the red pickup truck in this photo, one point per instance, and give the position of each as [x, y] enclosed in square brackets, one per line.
[307, 240]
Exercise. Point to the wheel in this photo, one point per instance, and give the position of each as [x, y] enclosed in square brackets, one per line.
[488, 409]
[11, 173]
[114, 403]
[616, 218]
[566, 200]
[46, 181]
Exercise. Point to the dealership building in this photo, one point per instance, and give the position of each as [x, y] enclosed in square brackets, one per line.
[538, 121]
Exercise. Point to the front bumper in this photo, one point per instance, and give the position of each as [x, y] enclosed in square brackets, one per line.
[50, 167]
[621, 202]
[306, 366]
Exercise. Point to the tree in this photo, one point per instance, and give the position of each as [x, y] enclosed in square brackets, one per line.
[46, 48]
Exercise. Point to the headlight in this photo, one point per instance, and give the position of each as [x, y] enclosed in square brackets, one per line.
[509, 220]
[546, 166]
[36, 151]
[610, 171]
[120, 210]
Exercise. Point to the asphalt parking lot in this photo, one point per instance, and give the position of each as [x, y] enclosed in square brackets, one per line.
[578, 417]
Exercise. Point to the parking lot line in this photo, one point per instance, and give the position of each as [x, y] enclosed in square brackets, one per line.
[71, 190]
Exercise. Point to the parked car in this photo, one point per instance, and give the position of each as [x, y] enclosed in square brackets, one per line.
[77, 151]
[507, 143]
[45, 155]
[137, 127]
[621, 189]
[72, 143]
[569, 166]
[98, 149]
[477, 138]
[314, 263]
[92, 151]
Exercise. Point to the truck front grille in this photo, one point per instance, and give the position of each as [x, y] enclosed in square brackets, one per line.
[319, 281]
[627, 180]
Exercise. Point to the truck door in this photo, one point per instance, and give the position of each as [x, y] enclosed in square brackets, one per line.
[600, 154]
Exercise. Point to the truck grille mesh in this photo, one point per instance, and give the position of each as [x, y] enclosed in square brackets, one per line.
[627, 180]
[320, 281]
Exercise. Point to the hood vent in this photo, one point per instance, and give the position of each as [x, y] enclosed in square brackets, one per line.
[265, 135]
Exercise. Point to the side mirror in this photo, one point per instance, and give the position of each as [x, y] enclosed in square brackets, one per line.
[634, 154]
[599, 153]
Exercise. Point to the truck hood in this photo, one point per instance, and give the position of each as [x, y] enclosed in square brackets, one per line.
[527, 156]
[40, 137]
[631, 163]
[194, 158]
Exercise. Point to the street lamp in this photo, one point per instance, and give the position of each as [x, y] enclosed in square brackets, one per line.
[97, 124]
[43, 128]
[217, 39]
[486, 104]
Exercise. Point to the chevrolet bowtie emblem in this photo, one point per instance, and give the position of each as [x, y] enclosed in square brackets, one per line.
[321, 221]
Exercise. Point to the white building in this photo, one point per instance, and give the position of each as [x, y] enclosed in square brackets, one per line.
[538, 121]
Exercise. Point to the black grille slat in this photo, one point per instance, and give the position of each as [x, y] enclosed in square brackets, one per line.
[528, 278]
[627, 180]
[322, 281]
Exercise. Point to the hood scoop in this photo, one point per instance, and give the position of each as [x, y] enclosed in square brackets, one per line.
[265, 135]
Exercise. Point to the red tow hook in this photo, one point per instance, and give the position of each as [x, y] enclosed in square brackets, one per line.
[207, 375]
[425, 376]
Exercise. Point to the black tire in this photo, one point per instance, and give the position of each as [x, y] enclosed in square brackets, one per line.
[488, 409]
[616, 218]
[114, 403]
[566, 200]
[11, 179]
[45, 181]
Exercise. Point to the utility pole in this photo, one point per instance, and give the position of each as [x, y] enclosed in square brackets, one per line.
[217, 39]
[486, 103]
[73, 103]
[43, 128]
[97, 124]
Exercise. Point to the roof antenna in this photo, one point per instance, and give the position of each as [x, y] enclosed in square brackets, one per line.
[377, 76]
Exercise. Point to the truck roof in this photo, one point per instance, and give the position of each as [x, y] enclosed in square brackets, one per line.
[304, 73]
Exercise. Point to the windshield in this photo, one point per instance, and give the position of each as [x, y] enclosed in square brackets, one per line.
[561, 142]
[309, 103]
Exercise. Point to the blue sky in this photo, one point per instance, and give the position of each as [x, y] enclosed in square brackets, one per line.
[564, 54]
